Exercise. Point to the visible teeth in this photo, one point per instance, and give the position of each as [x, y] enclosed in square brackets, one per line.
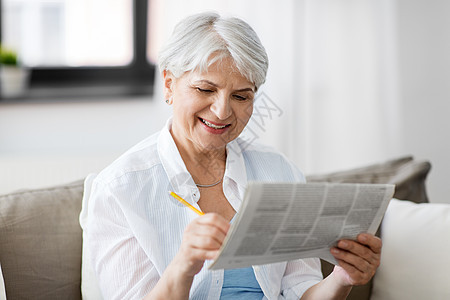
[212, 125]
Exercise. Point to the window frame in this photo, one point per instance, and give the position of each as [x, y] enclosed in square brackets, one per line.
[136, 78]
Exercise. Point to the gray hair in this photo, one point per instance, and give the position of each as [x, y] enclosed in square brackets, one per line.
[196, 38]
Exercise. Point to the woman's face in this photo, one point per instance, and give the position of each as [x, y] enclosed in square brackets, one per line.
[210, 109]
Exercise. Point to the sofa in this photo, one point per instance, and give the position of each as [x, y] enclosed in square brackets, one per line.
[41, 242]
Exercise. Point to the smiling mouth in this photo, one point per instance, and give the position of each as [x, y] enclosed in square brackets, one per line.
[213, 125]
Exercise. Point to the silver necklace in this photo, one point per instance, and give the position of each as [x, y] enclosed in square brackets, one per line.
[209, 185]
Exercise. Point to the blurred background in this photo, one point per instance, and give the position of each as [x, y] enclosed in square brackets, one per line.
[350, 83]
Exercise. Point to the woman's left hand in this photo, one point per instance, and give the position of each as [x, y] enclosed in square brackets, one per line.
[358, 260]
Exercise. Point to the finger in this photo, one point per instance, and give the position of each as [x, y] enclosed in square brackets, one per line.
[359, 250]
[205, 230]
[355, 276]
[206, 242]
[215, 220]
[207, 226]
[349, 258]
[349, 268]
[371, 241]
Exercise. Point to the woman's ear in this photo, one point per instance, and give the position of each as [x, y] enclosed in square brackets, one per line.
[168, 85]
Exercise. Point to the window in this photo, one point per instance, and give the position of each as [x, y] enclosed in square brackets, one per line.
[80, 47]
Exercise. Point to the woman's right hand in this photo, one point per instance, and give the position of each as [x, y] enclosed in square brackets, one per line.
[202, 239]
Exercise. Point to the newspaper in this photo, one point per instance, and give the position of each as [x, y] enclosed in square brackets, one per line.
[286, 221]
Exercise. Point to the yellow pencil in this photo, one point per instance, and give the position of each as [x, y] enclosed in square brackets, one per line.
[186, 203]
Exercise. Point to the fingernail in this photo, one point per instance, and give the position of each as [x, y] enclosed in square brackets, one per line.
[343, 244]
[334, 250]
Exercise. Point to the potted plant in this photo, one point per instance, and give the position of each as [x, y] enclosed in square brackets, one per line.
[13, 76]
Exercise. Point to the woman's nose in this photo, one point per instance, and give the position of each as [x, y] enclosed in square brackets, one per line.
[221, 107]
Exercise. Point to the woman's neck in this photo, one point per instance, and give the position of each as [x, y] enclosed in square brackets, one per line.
[206, 166]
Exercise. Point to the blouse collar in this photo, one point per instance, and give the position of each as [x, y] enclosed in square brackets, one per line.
[179, 177]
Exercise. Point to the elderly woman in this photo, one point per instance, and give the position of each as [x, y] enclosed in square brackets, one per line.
[144, 244]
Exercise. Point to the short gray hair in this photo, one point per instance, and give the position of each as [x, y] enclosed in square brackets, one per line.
[196, 38]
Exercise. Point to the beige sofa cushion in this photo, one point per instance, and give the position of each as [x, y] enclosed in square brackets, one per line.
[37, 265]
[407, 174]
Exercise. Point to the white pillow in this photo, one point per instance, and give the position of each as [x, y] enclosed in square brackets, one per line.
[89, 284]
[415, 260]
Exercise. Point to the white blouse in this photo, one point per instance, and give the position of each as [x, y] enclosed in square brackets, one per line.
[136, 227]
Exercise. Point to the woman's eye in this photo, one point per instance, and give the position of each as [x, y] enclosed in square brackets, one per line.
[239, 97]
[204, 90]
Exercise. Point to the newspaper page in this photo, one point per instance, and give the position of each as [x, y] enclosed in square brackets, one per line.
[286, 221]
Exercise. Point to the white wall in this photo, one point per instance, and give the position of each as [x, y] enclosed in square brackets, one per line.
[424, 48]
[42, 144]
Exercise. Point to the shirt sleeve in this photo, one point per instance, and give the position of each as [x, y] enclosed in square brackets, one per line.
[299, 276]
[122, 268]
